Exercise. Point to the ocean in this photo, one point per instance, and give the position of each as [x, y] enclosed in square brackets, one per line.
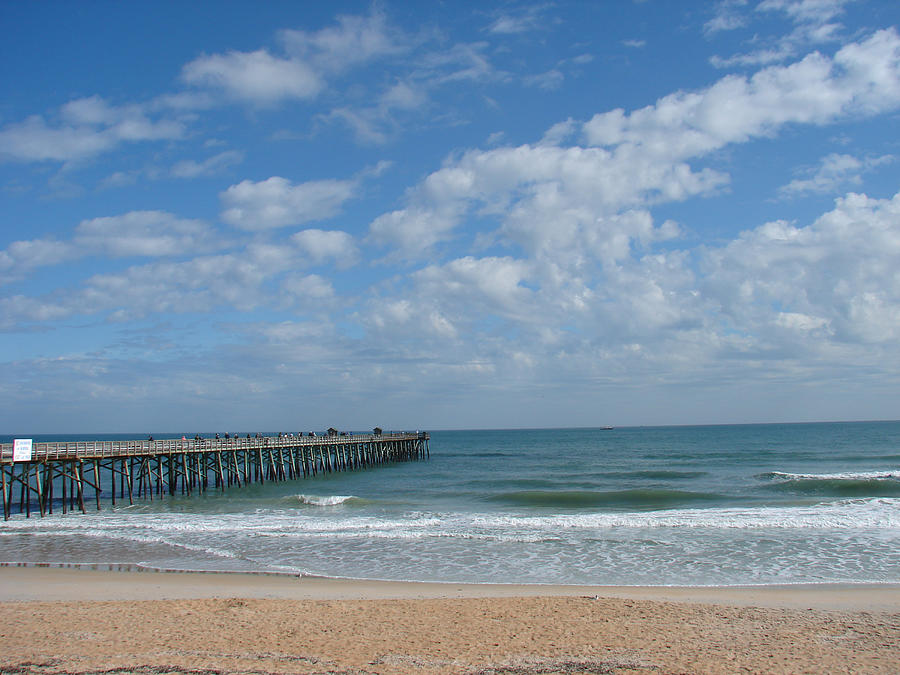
[685, 505]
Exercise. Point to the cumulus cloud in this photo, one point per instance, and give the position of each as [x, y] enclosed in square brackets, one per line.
[566, 202]
[588, 287]
[834, 171]
[861, 78]
[779, 293]
[304, 70]
[84, 128]
[201, 284]
[143, 233]
[538, 192]
[575, 287]
[495, 285]
[137, 233]
[319, 246]
[836, 277]
[276, 202]
[309, 292]
[20, 257]
[456, 299]
[258, 275]
[413, 231]
[257, 77]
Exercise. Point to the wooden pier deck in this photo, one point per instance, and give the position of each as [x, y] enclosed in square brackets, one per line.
[66, 475]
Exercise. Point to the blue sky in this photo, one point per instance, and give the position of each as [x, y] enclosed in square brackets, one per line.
[281, 216]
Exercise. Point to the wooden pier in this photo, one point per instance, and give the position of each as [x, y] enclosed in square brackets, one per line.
[71, 474]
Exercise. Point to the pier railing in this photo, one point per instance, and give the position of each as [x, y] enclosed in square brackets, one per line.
[59, 450]
[58, 473]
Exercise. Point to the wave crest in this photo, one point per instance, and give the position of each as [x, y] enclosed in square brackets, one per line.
[325, 500]
[850, 484]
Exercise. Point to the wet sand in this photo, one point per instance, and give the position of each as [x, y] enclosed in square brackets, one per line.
[63, 620]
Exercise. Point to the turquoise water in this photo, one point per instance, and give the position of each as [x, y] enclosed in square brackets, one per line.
[714, 505]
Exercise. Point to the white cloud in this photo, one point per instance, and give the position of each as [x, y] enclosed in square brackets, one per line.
[355, 40]
[548, 81]
[460, 62]
[404, 96]
[541, 194]
[375, 124]
[777, 299]
[490, 285]
[276, 202]
[449, 301]
[591, 292]
[727, 16]
[412, 231]
[119, 179]
[190, 168]
[20, 257]
[560, 132]
[862, 78]
[806, 11]
[367, 124]
[310, 291]
[257, 76]
[143, 233]
[243, 280]
[834, 171]
[311, 59]
[837, 275]
[762, 57]
[813, 24]
[138, 233]
[519, 21]
[86, 127]
[319, 246]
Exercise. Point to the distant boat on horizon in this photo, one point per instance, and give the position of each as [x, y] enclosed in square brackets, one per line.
[606, 428]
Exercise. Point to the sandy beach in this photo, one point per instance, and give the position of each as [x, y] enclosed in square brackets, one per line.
[67, 620]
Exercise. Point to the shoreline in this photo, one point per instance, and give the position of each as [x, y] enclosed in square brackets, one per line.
[65, 621]
[46, 582]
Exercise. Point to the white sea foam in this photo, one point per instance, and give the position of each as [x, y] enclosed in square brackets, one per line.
[849, 539]
[328, 500]
[849, 475]
[871, 513]
[861, 513]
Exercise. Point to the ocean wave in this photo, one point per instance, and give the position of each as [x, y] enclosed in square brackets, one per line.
[218, 535]
[879, 514]
[847, 484]
[890, 474]
[640, 499]
[326, 500]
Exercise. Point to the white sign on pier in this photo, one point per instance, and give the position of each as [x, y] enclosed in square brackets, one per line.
[22, 449]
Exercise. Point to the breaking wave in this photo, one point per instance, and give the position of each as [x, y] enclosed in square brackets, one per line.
[849, 484]
[327, 500]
